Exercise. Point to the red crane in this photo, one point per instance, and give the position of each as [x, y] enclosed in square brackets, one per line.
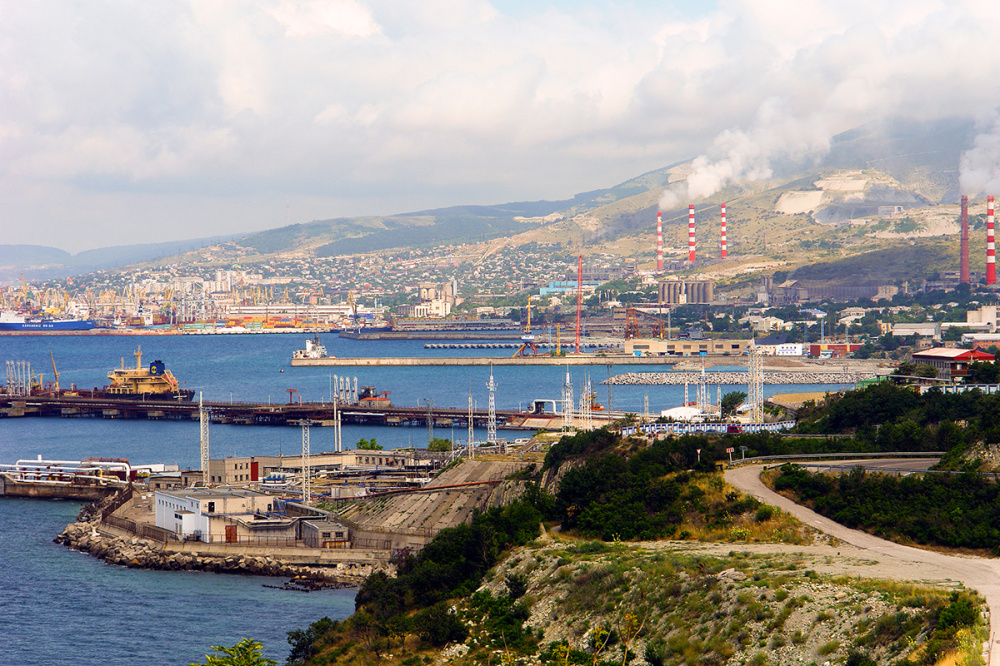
[579, 300]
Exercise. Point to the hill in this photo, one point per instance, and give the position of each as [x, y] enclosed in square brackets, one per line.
[41, 262]
[798, 217]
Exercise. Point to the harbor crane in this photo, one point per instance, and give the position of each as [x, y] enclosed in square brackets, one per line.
[527, 347]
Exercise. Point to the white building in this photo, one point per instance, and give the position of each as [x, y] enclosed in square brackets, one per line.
[212, 515]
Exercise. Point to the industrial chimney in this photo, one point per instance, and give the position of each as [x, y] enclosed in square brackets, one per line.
[659, 242]
[691, 233]
[991, 266]
[724, 251]
[963, 269]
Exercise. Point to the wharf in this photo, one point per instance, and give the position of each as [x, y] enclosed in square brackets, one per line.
[541, 359]
[249, 413]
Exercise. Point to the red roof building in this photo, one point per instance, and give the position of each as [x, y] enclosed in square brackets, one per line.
[951, 363]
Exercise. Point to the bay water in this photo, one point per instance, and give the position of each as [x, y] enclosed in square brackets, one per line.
[64, 607]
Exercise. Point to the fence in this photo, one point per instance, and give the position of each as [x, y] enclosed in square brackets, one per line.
[705, 428]
[141, 529]
[116, 502]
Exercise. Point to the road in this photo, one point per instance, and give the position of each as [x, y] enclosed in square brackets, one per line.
[912, 564]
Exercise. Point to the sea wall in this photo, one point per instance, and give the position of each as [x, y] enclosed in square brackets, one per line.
[736, 378]
[138, 553]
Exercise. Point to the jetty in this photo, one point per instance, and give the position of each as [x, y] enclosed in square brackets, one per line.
[540, 359]
[264, 414]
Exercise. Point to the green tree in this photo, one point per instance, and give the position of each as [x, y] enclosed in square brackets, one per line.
[244, 653]
[369, 444]
[983, 373]
[732, 400]
[439, 444]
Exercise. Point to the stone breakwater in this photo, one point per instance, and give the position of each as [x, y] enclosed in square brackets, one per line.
[735, 378]
[138, 553]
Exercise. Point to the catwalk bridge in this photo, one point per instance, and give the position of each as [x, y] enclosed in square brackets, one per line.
[248, 413]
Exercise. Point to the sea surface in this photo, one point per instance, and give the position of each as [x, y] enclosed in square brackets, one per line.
[63, 607]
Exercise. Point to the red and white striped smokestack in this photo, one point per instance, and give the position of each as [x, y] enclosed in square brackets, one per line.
[659, 242]
[691, 233]
[991, 259]
[724, 253]
[963, 266]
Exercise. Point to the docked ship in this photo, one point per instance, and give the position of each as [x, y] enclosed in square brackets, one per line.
[154, 382]
[12, 321]
[314, 349]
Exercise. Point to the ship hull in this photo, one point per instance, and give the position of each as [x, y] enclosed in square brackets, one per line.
[54, 326]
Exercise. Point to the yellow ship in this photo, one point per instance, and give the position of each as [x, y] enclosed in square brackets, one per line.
[154, 382]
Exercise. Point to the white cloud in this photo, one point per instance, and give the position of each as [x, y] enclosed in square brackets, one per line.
[376, 106]
[317, 18]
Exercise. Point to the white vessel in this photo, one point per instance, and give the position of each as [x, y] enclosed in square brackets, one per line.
[313, 349]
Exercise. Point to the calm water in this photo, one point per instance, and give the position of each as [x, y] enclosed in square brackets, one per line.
[63, 607]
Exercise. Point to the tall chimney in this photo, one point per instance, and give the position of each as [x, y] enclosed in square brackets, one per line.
[724, 253]
[963, 269]
[991, 259]
[691, 233]
[659, 242]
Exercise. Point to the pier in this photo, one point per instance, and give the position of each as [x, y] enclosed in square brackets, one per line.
[541, 359]
[250, 413]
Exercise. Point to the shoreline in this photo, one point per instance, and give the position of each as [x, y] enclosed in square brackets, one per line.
[133, 552]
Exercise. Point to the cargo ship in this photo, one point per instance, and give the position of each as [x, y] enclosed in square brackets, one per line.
[154, 382]
[12, 321]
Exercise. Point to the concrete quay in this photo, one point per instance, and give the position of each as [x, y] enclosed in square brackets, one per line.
[736, 378]
[542, 359]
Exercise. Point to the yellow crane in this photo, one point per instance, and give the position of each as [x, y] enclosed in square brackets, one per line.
[54, 371]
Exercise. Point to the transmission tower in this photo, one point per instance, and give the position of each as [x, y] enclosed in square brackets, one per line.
[203, 418]
[491, 425]
[338, 442]
[430, 419]
[586, 413]
[472, 420]
[568, 402]
[755, 385]
[306, 471]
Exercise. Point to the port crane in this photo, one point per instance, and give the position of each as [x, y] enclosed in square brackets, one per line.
[527, 347]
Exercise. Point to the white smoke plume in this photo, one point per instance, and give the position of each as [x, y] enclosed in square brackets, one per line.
[979, 166]
[741, 157]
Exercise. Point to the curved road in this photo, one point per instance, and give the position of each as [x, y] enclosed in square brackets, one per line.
[977, 573]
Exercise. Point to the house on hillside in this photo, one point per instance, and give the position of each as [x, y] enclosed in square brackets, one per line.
[951, 363]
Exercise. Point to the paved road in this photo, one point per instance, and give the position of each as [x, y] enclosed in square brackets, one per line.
[914, 564]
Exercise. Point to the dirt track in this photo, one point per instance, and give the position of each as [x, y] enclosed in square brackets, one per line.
[888, 560]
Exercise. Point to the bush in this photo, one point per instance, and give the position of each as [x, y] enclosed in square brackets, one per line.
[439, 626]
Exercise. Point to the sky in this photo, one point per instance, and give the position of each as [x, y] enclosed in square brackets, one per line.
[123, 121]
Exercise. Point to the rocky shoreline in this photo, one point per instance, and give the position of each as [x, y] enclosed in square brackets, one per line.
[735, 378]
[138, 553]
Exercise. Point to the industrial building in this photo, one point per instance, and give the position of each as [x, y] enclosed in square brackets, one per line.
[244, 470]
[680, 292]
[222, 515]
[659, 347]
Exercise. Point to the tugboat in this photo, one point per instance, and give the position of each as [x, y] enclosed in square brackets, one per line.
[152, 383]
[314, 349]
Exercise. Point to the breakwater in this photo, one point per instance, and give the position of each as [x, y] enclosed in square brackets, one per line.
[735, 378]
[137, 552]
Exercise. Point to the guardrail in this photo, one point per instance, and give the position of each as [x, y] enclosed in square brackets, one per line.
[756, 460]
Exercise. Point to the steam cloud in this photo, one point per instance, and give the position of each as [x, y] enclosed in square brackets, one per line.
[979, 167]
[742, 157]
